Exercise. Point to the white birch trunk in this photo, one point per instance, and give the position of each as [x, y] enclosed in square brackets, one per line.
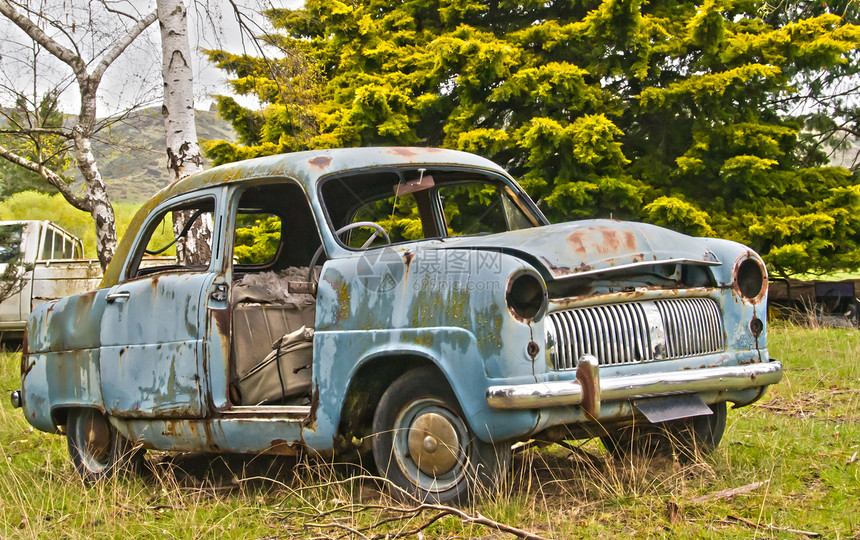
[96, 198]
[183, 150]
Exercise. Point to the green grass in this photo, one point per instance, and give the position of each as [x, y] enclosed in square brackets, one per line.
[800, 438]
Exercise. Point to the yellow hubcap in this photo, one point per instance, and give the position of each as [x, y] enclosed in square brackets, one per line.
[433, 444]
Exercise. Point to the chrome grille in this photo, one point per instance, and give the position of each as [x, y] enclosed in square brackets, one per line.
[636, 331]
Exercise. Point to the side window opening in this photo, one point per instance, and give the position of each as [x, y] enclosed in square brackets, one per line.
[57, 252]
[274, 242]
[257, 238]
[156, 252]
[48, 246]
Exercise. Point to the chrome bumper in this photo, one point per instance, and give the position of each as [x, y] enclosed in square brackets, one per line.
[588, 390]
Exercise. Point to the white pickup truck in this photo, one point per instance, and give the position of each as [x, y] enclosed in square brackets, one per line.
[58, 270]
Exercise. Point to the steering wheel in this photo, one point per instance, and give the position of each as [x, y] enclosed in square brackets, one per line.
[377, 230]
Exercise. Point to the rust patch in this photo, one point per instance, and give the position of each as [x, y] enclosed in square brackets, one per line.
[556, 270]
[170, 429]
[613, 241]
[590, 391]
[222, 320]
[576, 243]
[315, 402]
[83, 306]
[584, 267]
[604, 240]
[25, 353]
[320, 162]
[283, 448]
[26, 367]
[343, 301]
[402, 151]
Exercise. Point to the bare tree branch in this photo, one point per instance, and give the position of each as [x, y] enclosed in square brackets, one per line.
[117, 11]
[39, 36]
[121, 45]
[36, 130]
[50, 176]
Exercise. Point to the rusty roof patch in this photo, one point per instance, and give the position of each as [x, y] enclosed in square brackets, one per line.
[403, 151]
[320, 162]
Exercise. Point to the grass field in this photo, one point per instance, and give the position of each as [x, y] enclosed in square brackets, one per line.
[797, 453]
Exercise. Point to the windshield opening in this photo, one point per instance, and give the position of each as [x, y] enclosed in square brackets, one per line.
[414, 204]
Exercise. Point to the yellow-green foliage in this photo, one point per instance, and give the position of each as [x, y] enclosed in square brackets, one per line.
[680, 113]
[40, 206]
[257, 239]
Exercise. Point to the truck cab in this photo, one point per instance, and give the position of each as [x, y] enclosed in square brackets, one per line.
[54, 257]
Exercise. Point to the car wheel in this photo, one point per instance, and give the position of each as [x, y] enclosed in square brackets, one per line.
[96, 448]
[424, 446]
[686, 438]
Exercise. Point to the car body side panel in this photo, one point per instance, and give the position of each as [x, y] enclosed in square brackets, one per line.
[394, 302]
[453, 350]
[240, 435]
[61, 366]
[36, 388]
[152, 348]
[68, 324]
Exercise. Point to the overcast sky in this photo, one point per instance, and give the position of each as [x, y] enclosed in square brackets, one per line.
[135, 78]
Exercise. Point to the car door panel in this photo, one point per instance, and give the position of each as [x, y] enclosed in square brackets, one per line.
[152, 347]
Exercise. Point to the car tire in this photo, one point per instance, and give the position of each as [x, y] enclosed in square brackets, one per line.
[687, 438]
[97, 450]
[424, 446]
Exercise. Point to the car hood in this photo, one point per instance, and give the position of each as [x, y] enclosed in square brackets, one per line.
[581, 248]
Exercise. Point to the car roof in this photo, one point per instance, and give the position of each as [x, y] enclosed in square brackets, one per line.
[304, 167]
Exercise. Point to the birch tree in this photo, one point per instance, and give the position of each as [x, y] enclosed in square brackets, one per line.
[88, 74]
[183, 150]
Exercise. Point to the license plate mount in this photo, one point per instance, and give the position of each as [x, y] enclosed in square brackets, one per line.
[663, 409]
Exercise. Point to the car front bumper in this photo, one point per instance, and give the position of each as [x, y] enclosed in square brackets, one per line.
[588, 390]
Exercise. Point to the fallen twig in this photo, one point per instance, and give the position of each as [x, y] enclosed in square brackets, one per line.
[749, 523]
[153, 508]
[775, 408]
[339, 526]
[411, 513]
[729, 493]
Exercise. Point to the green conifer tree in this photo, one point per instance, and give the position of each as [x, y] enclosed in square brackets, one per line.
[696, 115]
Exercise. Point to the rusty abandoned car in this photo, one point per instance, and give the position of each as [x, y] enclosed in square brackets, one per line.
[411, 304]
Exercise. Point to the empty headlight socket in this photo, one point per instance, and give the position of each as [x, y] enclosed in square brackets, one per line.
[749, 278]
[526, 295]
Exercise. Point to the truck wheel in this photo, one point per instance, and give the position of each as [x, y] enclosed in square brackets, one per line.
[686, 438]
[96, 448]
[424, 446]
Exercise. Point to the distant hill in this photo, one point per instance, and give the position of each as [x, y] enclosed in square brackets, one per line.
[131, 154]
